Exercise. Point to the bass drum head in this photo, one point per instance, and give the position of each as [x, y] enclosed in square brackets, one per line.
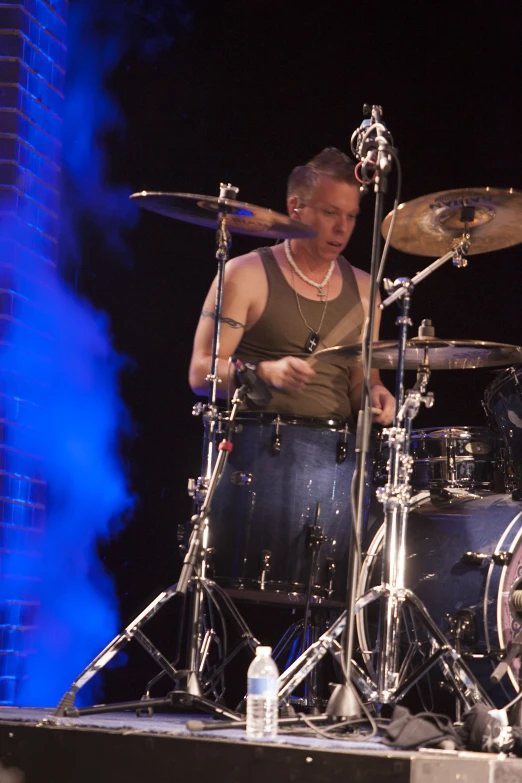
[464, 561]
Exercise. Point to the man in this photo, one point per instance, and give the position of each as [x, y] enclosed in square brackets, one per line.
[281, 303]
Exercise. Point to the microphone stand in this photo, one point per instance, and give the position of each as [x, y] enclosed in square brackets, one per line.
[344, 701]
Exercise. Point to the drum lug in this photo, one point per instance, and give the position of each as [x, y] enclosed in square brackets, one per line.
[240, 479]
[276, 438]
[477, 558]
[197, 488]
[315, 537]
[266, 558]
[473, 558]
[276, 444]
[502, 558]
[342, 452]
[462, 628]
[330, 575]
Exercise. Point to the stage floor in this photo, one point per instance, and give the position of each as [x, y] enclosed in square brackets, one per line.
[36, 747]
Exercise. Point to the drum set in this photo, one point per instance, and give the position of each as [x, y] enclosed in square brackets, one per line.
[273, 505]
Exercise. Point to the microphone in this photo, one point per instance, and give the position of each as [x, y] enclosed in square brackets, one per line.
[255, 387]
[370, 144]
[358, 136]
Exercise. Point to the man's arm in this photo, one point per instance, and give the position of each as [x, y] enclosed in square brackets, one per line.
[244, 294]
[236, 306]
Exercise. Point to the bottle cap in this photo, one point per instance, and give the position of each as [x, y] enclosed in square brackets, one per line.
[262, 650]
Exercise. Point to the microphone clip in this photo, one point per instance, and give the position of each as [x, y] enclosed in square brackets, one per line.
[254, 387]
[371, 144]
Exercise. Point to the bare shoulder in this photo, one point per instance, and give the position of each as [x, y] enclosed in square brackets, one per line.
[247, 265]
[246, 288]
[363, 281]
[362, 277]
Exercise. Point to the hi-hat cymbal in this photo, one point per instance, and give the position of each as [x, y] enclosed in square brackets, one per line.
[440, 354]
[242, 218]
[432, 225]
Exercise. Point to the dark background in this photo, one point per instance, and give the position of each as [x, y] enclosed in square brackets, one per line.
[246, 91]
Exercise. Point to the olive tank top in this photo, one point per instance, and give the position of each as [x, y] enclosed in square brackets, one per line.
[281, 331]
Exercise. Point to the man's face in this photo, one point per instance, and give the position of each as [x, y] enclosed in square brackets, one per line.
[331, 209]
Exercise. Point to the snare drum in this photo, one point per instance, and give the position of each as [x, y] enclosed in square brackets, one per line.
[458, 457]
[264, 525]
[503, 401]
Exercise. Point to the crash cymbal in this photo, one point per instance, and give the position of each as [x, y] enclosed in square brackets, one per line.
[242, 218]
[431, 225]
[441, 354]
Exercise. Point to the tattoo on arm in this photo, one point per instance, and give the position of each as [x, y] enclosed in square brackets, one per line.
[228, 321]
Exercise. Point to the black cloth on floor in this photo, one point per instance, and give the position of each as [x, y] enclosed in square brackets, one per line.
[487, 731]
[425, 729]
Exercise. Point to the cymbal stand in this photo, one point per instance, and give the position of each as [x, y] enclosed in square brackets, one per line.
[209, 412]
[191, 692]
[396, 498]
[188, 682]
[389, 683]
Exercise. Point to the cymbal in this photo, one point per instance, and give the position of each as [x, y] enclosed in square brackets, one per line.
[432, 225]
[242, 218]
[441, 354]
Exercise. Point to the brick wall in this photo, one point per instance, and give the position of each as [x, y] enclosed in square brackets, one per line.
[32, 70]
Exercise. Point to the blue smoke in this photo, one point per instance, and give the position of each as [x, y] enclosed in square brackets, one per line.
[61, 379]
[72, 423]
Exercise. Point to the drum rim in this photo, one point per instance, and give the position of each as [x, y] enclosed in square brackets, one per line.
[442, 432]
[497, 383]
[274, 419]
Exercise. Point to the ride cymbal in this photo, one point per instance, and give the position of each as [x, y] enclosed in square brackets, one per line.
[440, 354]
[242, 218]
[432, 225]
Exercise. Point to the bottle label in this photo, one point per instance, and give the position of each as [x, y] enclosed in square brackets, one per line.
[259, 686]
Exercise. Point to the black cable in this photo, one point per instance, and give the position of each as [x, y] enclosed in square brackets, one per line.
[328, 732]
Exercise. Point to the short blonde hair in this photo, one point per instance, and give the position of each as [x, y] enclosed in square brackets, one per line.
[331, 162]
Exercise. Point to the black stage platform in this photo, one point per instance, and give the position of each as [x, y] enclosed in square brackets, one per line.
[38, 748]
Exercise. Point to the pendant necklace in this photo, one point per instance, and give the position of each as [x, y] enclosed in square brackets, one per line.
[320, 286]
[313, 338]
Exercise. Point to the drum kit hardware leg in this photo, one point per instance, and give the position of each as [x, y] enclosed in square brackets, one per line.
[188, 682]
[306, 631]
[300, 636]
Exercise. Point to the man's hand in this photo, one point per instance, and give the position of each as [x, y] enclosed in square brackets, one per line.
[385, 401]
[288, 374]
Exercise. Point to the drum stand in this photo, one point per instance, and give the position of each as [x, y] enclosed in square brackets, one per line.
[189, 683]
[390, 681]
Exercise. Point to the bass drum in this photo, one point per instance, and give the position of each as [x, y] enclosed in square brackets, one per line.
[464, 560]
[263, 522]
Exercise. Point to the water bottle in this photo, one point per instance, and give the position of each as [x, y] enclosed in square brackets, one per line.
[262, 704]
